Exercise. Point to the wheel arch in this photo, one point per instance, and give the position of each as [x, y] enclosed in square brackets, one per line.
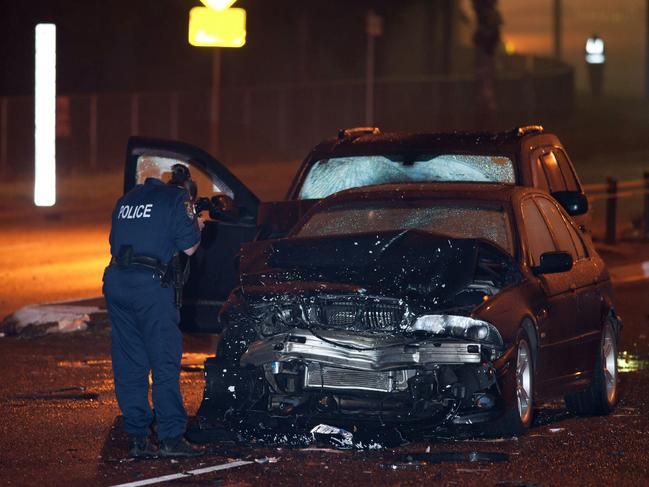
[529, 326]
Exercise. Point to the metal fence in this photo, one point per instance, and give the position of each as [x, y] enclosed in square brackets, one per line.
[279, 121]
[620, 208]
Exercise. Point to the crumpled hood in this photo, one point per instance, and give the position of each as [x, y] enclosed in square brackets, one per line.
[400, 261]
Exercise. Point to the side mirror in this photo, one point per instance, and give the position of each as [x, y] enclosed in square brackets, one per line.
[223, 208]
[553, 263]
[224, 203]
[574, 202]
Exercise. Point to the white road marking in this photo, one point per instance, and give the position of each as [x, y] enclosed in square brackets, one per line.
[182, 475]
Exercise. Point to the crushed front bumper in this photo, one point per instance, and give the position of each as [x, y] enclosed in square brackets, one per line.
[336, 376]
[360, 352]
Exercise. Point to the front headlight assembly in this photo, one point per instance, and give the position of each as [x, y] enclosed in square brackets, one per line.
[459, 327]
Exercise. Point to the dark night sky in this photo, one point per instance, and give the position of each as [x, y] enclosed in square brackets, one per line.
[110, 45]
[127, 45]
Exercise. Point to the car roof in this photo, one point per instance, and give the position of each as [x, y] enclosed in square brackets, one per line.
[430, 143]
[498, 193]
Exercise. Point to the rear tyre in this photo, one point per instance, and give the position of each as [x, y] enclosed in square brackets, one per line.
[601, 396]
[519, 393]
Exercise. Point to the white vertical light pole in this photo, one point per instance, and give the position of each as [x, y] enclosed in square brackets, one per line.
[45, 116]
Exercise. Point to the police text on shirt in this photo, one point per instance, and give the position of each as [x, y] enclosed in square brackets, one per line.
[128, 212]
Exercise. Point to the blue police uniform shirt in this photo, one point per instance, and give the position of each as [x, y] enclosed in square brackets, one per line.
[156, 219]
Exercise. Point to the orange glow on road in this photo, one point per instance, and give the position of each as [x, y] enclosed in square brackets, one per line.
[39, 265]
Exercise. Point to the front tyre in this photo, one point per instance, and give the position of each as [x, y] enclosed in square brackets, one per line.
[601, 396]
[519, 394]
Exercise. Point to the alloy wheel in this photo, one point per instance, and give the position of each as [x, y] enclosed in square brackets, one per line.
[524, 382]
[609, 365]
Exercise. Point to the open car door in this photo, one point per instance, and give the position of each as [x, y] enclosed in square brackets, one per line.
[213, 269]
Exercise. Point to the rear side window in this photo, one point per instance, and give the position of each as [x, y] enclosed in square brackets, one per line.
[566, 170]
[553, 172]
[537, 235]
[539, 178]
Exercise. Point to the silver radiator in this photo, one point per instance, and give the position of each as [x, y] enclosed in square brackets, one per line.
[317, 376]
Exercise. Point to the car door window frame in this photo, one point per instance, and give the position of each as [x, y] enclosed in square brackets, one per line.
[138, 146]
[552, 227]
[527, 228]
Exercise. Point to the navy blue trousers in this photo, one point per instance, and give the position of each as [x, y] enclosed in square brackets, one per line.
[145, 337]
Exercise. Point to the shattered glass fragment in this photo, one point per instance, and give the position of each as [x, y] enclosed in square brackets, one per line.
[454, 221]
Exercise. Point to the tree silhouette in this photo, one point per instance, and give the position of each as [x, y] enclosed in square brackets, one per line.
[486, 40]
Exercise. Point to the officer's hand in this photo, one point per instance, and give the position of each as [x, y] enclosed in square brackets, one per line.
[201, 223]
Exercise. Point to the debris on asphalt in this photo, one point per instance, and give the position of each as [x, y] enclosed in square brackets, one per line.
[517, 483]
[264, 460]
[84, 363]
[439, 457]
[556, 430]
[338, 437]
[401, 466]
[320, 450]
[65, 394]
[42, 319]
[373, 439]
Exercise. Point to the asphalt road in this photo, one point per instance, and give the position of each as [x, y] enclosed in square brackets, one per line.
[59, 422]
[59, 425]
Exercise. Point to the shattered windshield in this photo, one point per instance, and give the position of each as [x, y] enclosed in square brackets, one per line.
[329, 176]
[453, 220]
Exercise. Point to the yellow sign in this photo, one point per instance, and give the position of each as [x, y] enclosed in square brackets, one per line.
[214, 28]
[218, 4]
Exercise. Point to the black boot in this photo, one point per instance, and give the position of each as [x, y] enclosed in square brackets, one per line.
[141, 447]
[178, 447]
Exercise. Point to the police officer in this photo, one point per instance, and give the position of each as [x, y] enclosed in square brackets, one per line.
[150, 224]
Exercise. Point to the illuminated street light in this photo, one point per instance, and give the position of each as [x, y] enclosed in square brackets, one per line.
[45, 116]
[218, 4]
[595, 64]
[212, 28]
[595, 50]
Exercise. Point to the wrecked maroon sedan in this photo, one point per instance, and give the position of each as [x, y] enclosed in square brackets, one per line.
[357, 157]
[418, 304]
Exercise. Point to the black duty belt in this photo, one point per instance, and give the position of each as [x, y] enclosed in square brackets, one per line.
[173, 274]
[141, 261]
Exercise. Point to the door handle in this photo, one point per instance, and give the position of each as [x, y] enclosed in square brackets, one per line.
[573, 287]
